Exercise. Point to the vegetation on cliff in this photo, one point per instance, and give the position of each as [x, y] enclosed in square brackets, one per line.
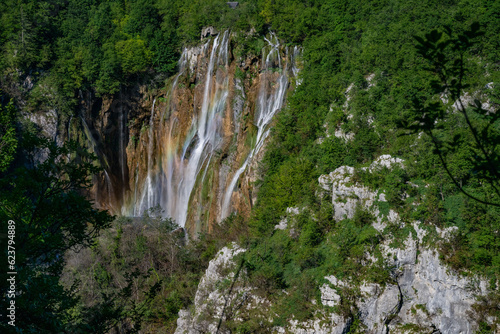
[364, 76]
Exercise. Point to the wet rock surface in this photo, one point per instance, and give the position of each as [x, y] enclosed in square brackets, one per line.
[191, 144]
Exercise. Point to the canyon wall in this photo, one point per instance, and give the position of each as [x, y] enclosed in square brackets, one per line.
[192, 146]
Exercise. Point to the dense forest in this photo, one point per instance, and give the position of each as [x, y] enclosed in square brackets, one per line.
[388, 73]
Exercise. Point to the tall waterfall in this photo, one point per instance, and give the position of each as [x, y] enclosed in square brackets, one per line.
[270, 100]
[188, 131]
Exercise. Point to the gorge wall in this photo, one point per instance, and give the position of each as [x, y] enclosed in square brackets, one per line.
[190, 147]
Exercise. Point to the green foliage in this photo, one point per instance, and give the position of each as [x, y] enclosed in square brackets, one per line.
[313, 246]
[43, 195]
[478, 127]
[144, 253]
[285, 188]
[8, 138]
[133, 55]
[96, 45]
[142, 272]
[362, 74]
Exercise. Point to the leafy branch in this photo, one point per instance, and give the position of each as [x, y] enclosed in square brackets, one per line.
[446, 56]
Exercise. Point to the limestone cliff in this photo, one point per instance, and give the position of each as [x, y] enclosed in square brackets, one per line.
[422, 295]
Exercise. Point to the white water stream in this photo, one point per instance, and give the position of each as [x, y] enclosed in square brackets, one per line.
[178, 156]
[173, 173]
[270, 101]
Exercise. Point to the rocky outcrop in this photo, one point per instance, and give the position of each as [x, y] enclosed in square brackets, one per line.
[424, 295]
[232, 4]
[220, 296]
[48, 122]
[208, 31]
[421, 296]
[346, 196]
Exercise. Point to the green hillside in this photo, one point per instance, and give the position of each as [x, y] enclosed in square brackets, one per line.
[388, 73]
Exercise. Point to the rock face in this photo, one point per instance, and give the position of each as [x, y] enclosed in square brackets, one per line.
[192, 146]
[232, 4]
[49, 123]
[208, 31]
[347, 196]
[217, 296]
[425, 296]
[422, 296]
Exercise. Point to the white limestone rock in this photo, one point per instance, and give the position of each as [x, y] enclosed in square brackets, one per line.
[209, 300]
[46, 121]
[385, 161]
[334, 324]
[434, 296]
[192, 55]
[329, 295]
[377, 306]
[208, 31]
[347, 136]
[425, 293]
[346, 196]
[422, 292]
[283, 224]
[369, 80]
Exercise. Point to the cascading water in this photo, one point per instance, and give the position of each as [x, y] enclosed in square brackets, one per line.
[122, 118]
[205, 135]
[193, 147]
[295, 68]
[270, 101]
[171, 178]
[107, 181]
[109, 185]
[147, 199]
[150, 195]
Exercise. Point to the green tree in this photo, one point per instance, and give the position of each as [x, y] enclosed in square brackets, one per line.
[8, 138]
[45, 195]
[134, 56]
[447, 53]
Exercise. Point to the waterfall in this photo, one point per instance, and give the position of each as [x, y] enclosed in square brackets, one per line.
[175, 160]
[171, 178]
[270, 100]
[109, 186]
[107, 180]
[121, 145]
[295, 69]
[148, 198]
[151, 194]
[205, 135]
